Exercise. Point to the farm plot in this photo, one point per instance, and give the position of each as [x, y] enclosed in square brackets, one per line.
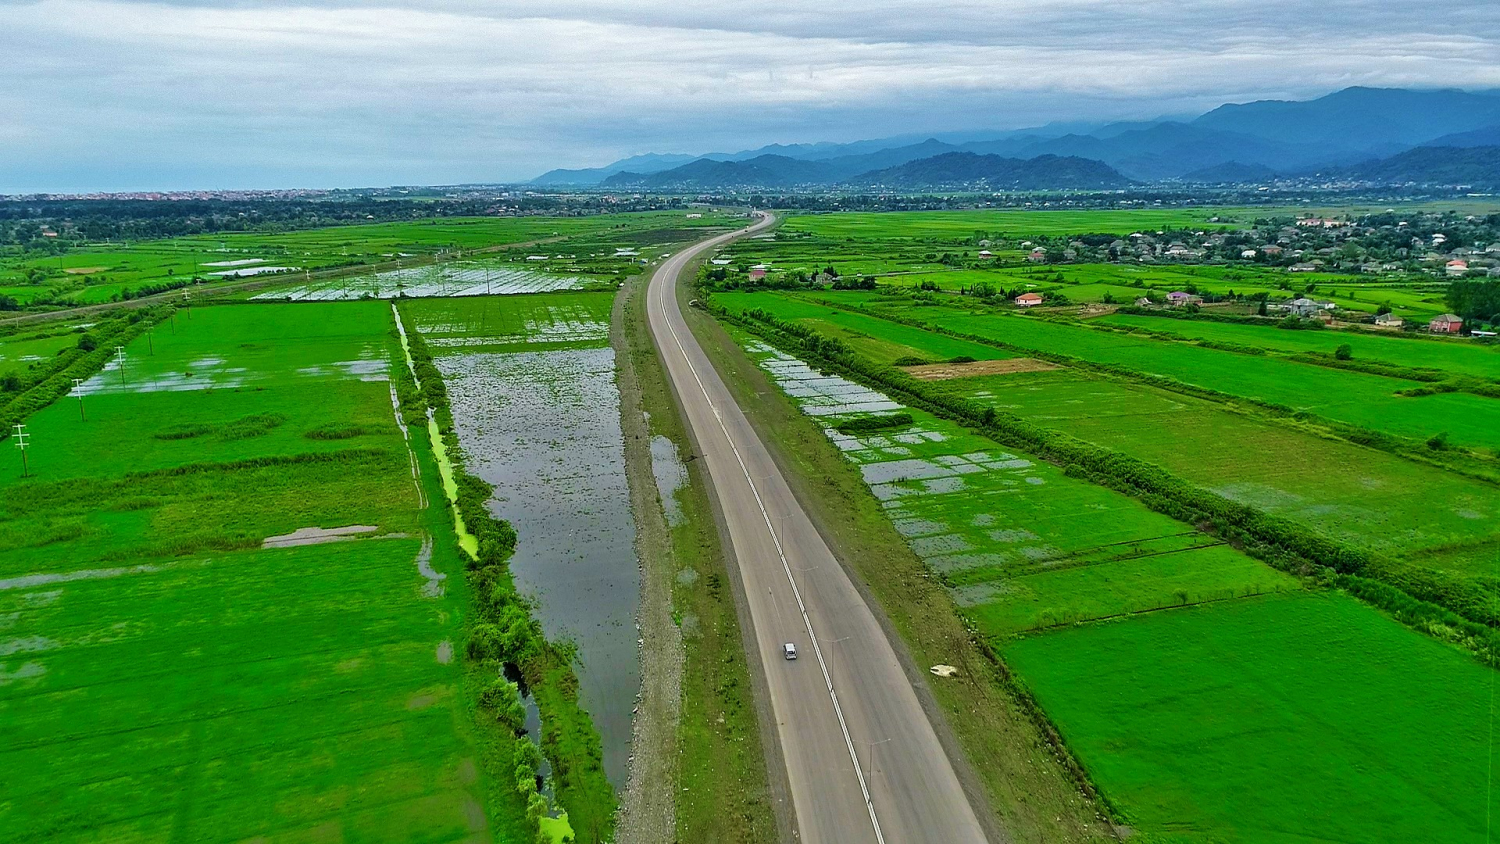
[1454, 356]
[531, 382]
[111, 271]
[1351, 397]
[1021, 544]
[878, 339]
[1429, 518]
[1274, 719]
[459, 278]
[1355, 495]
[163, 676]
[525, 323]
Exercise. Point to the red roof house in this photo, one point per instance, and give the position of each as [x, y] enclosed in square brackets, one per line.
[1446, 324]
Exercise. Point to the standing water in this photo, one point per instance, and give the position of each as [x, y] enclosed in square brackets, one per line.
[543, 427]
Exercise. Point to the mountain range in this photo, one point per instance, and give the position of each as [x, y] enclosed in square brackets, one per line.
[1340, 133]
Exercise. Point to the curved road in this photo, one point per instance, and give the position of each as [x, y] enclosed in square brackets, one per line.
[863, 762]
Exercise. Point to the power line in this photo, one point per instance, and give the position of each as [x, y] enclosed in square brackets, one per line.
[23, 443]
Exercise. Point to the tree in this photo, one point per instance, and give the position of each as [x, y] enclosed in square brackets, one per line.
[87, 343]
[1344, 352]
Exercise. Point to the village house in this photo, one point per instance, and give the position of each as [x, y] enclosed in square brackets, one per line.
[1028, 300]
[1456, 267]
[757, 272]
[1302, 307]
[1303, 268]
[1178, 299]
[986, 254]
[1143, 302]
[1446, 324]
[1389, 320]
[1037, 255]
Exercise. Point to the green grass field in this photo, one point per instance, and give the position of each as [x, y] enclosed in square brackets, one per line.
[1350, 397]
[951, 224]
[99, 272]
[513, 323]
[1275, 719]
[871, 336]
[163, 676]
[1410, 511]
[1453, 356]
[1019, 542]
[1263, 712]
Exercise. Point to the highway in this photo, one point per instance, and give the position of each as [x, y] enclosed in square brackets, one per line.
[864, 763]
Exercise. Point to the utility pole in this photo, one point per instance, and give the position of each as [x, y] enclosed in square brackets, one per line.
[120, 356]
[150, 346]
[22, 443]
[78, 391]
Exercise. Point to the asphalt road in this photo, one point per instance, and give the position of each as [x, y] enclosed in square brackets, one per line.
[863, 761]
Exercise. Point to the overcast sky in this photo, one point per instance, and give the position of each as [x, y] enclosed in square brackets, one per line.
[123, 95]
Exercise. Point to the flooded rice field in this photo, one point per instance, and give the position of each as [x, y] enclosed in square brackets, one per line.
[966, 507]
[543, 427]
[137, 373]
[457, 278]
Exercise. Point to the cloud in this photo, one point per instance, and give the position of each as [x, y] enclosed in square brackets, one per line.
[107, 94]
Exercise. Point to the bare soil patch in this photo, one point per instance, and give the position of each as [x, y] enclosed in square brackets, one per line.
[945, 371]
[85, 270]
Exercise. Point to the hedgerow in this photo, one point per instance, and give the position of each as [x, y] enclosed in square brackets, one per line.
[80, 362]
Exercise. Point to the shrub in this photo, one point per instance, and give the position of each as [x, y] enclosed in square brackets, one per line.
[874, 423]
[1344, 352]
[185, 431]
[255, 425]
[335, 431]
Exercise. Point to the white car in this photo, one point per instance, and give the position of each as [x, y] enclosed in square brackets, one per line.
[789, 650]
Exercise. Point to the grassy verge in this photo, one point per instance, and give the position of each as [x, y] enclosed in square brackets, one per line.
[1034, 786]
[722, 790]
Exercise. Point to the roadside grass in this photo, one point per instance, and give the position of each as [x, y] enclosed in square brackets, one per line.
[722, 790]
[1283, 718]
[1019, 774]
